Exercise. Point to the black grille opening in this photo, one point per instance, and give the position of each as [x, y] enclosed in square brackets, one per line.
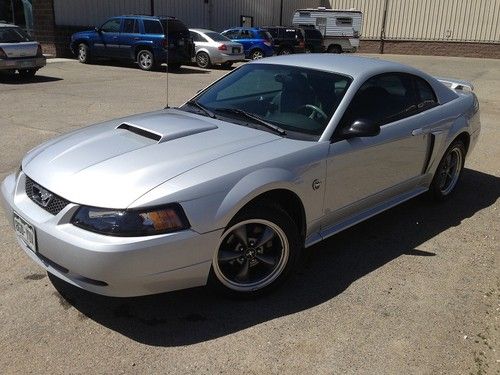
[54, 204]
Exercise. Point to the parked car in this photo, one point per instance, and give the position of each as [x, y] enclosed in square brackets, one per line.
[287, 40]
[258, 43]
[19, 52]
[214, 48]
[148, 40]
[228, 189]
[313, 40]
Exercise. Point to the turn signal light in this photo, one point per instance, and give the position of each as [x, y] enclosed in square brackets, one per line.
[222, 47]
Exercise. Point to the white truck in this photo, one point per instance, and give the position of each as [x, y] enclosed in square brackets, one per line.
[341, 29]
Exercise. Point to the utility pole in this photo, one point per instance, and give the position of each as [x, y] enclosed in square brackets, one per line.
[152, 5]
[382, 30]
[281, 13]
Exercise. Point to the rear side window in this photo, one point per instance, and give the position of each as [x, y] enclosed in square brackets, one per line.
[274, 32]
[217, 37]
[264, 35]
[382, 99]
[245, 34]
[130, 25]
[152, 27]
[231, 34]
[426, 98]
[111, 26]
[198, 37]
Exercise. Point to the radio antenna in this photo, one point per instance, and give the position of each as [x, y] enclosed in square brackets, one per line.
[167, 37]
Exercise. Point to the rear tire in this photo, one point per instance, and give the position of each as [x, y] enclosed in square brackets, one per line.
[256, 54]
[448, 172]
[83, 53]
[203, 60]
[258, 250]
[27, 73]
[145, 60]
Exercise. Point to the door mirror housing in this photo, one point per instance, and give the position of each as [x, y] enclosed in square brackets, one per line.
[360, 128]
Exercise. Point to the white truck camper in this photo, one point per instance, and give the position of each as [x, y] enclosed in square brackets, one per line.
[341, 29]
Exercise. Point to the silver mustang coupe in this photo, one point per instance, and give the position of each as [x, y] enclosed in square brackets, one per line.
[228, 189]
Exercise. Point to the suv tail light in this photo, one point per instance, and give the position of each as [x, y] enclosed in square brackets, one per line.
[39, 51]
[2, 54]
[222, 47]
[164, 43]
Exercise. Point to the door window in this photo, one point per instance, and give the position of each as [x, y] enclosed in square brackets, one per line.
[231, 34]
[130, 26]
[382, 99]
[111, 26]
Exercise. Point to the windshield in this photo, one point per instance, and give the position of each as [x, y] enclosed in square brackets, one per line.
[13, 35]
[216, 37]
[296, 99]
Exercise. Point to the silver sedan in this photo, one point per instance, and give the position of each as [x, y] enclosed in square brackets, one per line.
[228, 189]
[19, 52]
[214, 48]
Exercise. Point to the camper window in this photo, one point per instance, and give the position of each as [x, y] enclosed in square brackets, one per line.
[344, 21]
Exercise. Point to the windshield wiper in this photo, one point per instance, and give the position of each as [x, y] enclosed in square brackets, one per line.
[253, 117]
[208, 112]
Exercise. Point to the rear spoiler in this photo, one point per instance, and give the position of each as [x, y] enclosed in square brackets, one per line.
[456, 84]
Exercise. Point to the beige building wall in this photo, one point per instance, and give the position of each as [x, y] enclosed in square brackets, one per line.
[429, 20]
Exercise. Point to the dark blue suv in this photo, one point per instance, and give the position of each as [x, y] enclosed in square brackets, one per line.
[257, 43]
[148, 40]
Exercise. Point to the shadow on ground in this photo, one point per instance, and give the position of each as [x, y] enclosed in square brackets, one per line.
[184, 69]
[192, 316]
[15, 79]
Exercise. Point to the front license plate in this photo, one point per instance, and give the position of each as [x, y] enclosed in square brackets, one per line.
[25, 231]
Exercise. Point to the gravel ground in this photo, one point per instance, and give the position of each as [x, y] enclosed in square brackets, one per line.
[413, 290]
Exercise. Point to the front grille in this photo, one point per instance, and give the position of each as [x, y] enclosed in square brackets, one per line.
[55, 203]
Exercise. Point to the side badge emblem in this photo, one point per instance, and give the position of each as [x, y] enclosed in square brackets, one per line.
[316, 184]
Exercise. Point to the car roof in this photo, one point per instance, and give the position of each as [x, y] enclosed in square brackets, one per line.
[353, 66]
[146, 16]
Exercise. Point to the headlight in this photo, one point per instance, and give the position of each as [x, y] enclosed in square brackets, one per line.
[134, 222]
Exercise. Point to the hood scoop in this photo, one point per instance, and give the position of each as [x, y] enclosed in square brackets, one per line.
[166, 128]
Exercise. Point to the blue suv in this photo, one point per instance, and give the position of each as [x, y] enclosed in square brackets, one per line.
[257, 43]
[148, 40]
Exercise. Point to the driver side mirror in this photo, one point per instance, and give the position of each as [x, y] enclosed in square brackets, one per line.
[360, 128]
[97, 29]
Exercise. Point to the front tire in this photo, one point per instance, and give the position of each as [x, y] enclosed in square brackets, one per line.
[203, 60]
[258, 250]
[83, 53]
[145, 60]
[448, 172]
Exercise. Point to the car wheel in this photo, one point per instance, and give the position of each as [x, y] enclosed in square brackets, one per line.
[203, 60]
[448, 172]
[145, 60]
[227, 65]
[27, 73]
[334, 49]
[83, 53]
[285, 51]
[256, 54]
[258, 250]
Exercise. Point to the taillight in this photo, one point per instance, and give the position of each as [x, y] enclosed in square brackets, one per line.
[222, 47]
[39, 51]
[267, 43]
[164, 43]
[2, 54]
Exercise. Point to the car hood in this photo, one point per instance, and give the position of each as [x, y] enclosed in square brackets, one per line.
[112, 164]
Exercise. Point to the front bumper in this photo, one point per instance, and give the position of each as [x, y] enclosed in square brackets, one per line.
[23, 63]
[112, 266]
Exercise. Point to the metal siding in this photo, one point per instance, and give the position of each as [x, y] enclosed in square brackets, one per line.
[433, 20]
[95, 12]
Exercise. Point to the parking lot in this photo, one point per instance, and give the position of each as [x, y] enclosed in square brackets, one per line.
[413, 290]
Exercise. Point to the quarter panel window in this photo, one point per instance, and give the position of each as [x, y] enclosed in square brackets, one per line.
[152, 27]
[426, 98]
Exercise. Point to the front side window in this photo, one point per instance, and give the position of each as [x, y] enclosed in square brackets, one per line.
[299, 100]
[152, 27]
[111, 26]
[382, 99]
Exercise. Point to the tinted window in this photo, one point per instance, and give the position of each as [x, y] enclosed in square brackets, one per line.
[152, 27]
[426, 96]
[264, 35]
[231, 34]
[13, 35]
[297, 99]
[273, 31]
[174, 26]
[196, 37]
[130, 26]
[112, 26]
[245, 34]
[217, 37]
[382, 99]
